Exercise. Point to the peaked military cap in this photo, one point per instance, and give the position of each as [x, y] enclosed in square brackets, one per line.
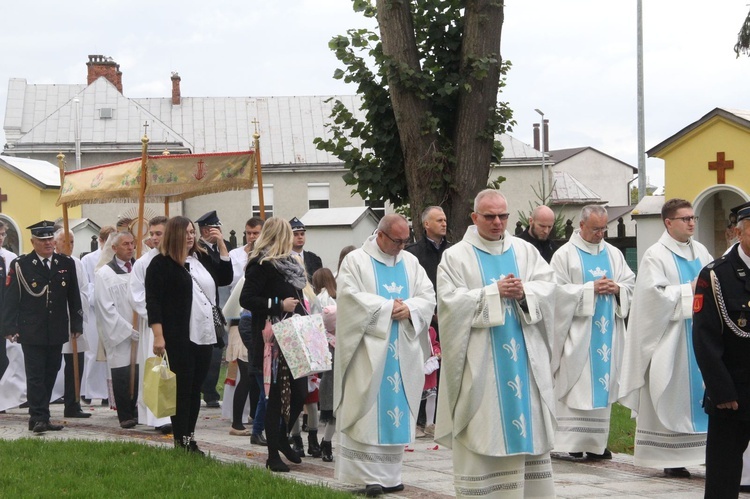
[736, 209]
[743, 213]
[42, 230]
[296, 224]
[210, 219]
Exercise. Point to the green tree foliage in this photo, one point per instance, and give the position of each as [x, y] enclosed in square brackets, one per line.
[743, 38]
[428, 83]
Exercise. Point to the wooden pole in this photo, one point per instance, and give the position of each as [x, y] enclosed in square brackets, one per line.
[259, 169]
[68, 250]
[138, 248]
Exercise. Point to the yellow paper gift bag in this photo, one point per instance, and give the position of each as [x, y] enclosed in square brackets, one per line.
[160, 387]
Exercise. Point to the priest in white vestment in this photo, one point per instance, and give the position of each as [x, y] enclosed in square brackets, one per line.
[137, 290]
[95, 370]
[661, 382]
[593, 299]
[114, 318]
[385, 304]
[495, 403]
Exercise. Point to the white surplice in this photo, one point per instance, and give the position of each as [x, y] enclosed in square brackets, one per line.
[655, 381]
[95, 372]
[581, 427]
[469, 409]
[114, 315]
[362, 340]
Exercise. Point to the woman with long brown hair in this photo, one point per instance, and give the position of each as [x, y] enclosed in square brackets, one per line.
[273, 290]
[181, 285]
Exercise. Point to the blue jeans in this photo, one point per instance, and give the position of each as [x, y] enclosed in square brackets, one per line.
[259, 421]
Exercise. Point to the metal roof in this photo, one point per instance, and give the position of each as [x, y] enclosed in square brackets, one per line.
[568, 190]
[42, 173]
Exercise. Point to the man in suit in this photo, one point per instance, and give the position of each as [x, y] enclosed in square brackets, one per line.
[42, 307]
[212, 240]
[721, 339]
[312, 261]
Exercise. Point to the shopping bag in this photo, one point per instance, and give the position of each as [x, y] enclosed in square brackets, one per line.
[302, 340]
[160, 387]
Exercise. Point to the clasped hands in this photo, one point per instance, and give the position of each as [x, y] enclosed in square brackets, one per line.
[400, 310]
[606, 286]
[510, 286]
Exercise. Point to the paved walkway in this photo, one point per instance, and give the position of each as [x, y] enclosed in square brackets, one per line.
[427, 467]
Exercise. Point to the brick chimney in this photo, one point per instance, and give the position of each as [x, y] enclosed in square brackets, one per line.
[100, 65]
[175, 89]
[536, 136]
[545, 124]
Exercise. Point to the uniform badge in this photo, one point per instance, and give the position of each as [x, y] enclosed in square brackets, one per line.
[33, 284]
[742, 322]
[697, 303]
[63, 284]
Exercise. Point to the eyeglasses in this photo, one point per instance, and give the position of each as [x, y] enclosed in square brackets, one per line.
[398, 242]
[490, 217]
[687, 220]
[598, 230]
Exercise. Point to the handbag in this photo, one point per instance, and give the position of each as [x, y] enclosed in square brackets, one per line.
[303, 342]
[160, 387]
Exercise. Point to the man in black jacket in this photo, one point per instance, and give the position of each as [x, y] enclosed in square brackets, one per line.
[312, 261]
[429, 250]
[41, 308]
[541, 223]
[721, 339]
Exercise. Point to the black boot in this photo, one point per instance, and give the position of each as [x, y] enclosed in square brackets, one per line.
[288, 452]
[327, 451]
[297, 445]
[313, 448]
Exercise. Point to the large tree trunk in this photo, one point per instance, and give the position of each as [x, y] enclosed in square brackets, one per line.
[420, 149]
[483, 21]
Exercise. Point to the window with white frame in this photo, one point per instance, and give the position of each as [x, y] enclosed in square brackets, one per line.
[267, 200]
[318, 196]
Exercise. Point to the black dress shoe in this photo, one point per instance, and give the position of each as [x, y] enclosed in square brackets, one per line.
[604, 455]
[165, 429]
[676, 473]
[372, 491]
[79, 414]
[576, 454]
[277, 465]
[744, 488]
[397, 488]
[43, 426]
[258, 439]
[214, 404]
[193, 447]
[128, 423]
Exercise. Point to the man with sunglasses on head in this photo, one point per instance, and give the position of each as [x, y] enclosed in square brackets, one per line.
[593, 299]
[660, 381]
[496, 406]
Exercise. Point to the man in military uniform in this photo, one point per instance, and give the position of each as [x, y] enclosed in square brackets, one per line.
[721, 339]
[41, 302]
[311, 260]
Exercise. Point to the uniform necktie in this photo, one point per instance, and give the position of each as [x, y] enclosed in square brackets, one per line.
[128, 267]
[46, 263]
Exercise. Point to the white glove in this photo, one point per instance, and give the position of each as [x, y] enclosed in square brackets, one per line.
[135, 335]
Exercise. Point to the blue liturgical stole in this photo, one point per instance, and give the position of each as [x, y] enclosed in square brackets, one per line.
[688, 271]
[602, 325]
[393, 407]
[510, 358]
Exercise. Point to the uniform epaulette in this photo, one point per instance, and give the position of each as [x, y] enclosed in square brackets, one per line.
[716, 262]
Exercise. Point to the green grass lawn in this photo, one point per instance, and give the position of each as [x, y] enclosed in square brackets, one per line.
[42, 468]
[621, 430]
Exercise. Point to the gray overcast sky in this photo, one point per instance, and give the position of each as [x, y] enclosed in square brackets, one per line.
[575, 60]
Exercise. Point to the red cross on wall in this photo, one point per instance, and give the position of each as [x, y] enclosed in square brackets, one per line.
[3, 198]
[720, 165]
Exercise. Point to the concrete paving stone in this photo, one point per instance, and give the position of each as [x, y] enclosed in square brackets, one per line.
[427, 472]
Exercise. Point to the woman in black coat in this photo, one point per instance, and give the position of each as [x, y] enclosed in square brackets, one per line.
[181, 287]
[274, 281]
